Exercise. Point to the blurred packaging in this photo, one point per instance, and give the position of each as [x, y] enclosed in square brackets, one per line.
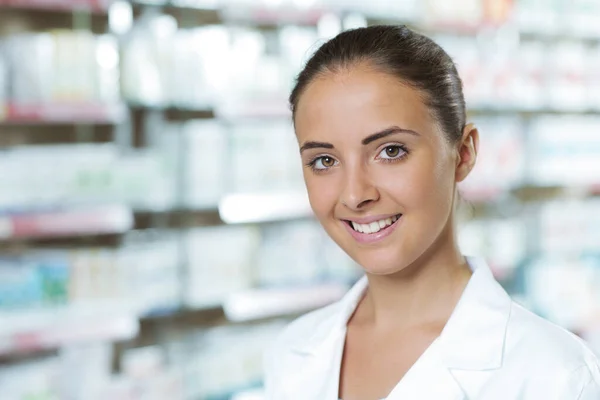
[500, 161]
[502, 242]
[143, 276]
[570, 227]
[265, 157]
[561, 141]
[31, 380]
[565, 289]
[37, 176]
[221, 361]
[4, 82]
[62, 66]
[220, 261]
[301, 253]
[207, 163]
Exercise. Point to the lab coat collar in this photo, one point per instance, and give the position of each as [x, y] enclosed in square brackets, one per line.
[473, 338]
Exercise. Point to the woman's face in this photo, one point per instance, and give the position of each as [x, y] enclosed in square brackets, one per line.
[379, 172]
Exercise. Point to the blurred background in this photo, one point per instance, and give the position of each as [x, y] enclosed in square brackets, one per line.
[154, 231]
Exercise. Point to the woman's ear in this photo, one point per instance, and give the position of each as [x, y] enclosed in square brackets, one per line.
[467, 152]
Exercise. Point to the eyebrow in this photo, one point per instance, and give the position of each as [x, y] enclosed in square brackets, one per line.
[315, 145]
[369, 139]
[387, 132]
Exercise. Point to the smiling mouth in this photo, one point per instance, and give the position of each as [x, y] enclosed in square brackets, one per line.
[374, 227]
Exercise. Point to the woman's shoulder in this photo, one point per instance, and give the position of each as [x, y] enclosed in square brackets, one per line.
[531, 338]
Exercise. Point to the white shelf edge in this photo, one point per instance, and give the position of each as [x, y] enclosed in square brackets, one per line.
[263, 207]
[268, 303]
[79, 220]
[34, 330]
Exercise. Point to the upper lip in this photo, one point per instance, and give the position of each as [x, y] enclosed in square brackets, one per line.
[368, 220]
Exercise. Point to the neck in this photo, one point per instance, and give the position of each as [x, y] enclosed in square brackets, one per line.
[425, 292]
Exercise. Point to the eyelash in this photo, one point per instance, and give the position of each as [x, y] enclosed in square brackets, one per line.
[311, 164]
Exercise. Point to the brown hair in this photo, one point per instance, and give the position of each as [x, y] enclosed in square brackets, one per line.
[415, 59]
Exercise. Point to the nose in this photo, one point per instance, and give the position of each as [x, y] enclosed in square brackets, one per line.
[359, 192]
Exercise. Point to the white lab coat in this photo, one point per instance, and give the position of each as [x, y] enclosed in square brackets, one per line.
[490, 349]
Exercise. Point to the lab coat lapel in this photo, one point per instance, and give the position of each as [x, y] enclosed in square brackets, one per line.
[428, 379]
[312, 376]
[456, 367]
[472, 342]
[315, 363]
[469, 349]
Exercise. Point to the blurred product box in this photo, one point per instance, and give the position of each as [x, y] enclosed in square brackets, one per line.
[565, 290]
[39, 176]
[564, 150]
[143, 276]
[265, 157]
[62, 66]
[501, 159]
[220, 262]
[207, 163]
[218, 362]
[502, 242]
[570, 227]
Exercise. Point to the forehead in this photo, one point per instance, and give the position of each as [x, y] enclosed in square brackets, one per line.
[359, 101]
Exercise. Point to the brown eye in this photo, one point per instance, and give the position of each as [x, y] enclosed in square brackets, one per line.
[328, 162]
[392, 151]
[323, 163]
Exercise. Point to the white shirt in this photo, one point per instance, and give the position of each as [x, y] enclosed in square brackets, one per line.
[490, 349]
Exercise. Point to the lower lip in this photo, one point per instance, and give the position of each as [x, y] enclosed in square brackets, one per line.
[372, 237]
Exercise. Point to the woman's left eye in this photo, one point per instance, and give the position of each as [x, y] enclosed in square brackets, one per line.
[392, 152]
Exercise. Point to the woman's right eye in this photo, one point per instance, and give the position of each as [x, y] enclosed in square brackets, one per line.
[322, 163]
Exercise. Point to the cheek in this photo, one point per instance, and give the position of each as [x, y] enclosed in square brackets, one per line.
[321, 194]
[423, 183]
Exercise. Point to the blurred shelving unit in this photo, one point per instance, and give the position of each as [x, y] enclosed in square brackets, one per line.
[260, 304]
[152, 196]
[79, 221]
[31, 331]
[97, 6]
[67, 113]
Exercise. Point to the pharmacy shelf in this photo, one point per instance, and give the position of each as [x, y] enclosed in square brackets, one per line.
[58, 5]
[250, 394]
[81, 221]
[271, 107]
[277, 107]
[274, 15]
[269, 303]
[175, 113]
[190, 15]
[255, 304]
[529, 192]
[264, 207]
[558, 37]
[63, 113]
[35, 330]
[528, 113]
[277, 15]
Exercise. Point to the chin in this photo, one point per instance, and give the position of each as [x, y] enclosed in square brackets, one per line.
[380, 261]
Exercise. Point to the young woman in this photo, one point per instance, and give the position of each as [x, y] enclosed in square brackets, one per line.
[380, 119]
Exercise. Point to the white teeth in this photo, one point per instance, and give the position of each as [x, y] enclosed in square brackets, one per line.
[374, 227]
